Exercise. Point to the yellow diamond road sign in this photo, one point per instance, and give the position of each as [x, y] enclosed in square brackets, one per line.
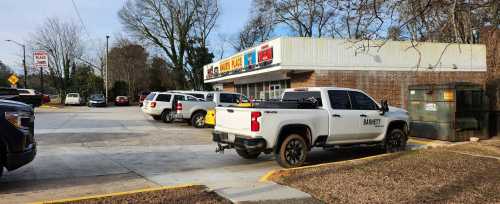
[13, 79]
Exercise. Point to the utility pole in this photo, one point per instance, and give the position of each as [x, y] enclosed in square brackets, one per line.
[106, 76]
[24, 62]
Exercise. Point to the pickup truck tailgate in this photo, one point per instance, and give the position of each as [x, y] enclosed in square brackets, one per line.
[233, 120]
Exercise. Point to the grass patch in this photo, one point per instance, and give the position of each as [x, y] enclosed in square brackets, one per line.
[433, 175]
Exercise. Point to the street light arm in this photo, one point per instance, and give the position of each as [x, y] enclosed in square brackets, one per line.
[18, 43]
[87, 62]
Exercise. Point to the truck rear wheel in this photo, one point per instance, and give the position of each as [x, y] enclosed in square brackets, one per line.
[245, 154]
[395, 141]
[292, 151]
[167, 117]
[198, 119]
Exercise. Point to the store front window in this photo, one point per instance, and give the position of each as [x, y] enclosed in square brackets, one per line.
[263, 90]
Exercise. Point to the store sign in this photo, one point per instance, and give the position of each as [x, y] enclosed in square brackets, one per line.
[41, 59]
[212, 72]
[237, 63]
[250, 60]
[225, 66]
[265, 55]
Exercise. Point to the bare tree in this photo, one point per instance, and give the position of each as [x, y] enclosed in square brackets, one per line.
[197, 51]
[62, 40]
[206, 16]
[169, 24]
[306, 18]
[360, 19]
[447, 20]
[259, 27]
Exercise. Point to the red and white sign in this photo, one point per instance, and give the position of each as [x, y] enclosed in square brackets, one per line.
[41, 59]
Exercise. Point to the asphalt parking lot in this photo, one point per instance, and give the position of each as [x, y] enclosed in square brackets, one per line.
[86, 151]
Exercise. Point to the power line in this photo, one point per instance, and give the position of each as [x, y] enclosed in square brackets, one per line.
[80, 18]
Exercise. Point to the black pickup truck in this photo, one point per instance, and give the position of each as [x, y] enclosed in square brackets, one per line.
[17, 142]
[35, 99]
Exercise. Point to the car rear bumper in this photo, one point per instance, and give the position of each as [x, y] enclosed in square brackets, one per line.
[240, 142]
[97, 104]
[150, 111]
[19, 159]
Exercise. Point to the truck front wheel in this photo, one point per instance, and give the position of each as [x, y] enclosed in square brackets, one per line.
[292, 152]
[245, 154]
[395, 141]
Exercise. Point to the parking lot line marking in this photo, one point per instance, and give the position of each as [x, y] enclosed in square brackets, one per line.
[266, 176]
[114, 194]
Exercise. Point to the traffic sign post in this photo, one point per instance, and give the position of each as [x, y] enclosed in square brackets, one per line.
[13, 79]
[41, 60]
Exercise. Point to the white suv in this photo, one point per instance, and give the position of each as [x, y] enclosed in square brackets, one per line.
[162, 105]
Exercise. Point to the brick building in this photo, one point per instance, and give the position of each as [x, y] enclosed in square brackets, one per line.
[383, 69]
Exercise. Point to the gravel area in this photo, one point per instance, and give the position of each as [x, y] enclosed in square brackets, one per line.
[441, 175]
[191, 194]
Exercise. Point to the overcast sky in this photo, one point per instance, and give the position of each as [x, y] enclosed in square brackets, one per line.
[20, 18]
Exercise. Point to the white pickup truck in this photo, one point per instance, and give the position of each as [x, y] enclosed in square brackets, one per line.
[194, 111]
[327, 117]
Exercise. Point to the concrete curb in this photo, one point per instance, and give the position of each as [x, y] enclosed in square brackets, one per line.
[114, 194]
[268, 175]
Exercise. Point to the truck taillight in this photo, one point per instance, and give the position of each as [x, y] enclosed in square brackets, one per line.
[152, 104]
[178, 106]
[254, 123]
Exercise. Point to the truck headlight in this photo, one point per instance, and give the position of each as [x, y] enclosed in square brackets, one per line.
[17, 118]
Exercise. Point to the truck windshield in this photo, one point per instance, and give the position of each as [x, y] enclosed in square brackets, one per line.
[302, 96]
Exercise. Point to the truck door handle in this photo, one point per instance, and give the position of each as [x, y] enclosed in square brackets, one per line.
[363, 115]
[230, 110]
[336, 116]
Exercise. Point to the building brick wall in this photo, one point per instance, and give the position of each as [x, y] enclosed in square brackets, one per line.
[304, 79]
[387, 85]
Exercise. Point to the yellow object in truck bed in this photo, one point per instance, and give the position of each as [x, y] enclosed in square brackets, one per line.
[210, 117]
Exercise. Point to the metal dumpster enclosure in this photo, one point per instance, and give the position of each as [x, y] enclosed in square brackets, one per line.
[450, 112]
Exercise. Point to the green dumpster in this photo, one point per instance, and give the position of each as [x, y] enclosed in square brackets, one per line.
[450, 112]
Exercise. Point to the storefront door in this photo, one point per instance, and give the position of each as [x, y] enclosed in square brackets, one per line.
[274, 91]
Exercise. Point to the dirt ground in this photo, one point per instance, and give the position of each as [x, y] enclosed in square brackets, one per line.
[191, 194]
[458, 174]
